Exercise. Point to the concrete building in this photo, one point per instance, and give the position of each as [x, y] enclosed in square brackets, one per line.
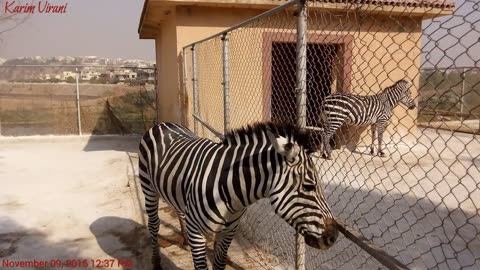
[370, 44]
[67, 74]
[125, 74]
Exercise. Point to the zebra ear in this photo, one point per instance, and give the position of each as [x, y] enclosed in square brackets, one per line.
[283, 146]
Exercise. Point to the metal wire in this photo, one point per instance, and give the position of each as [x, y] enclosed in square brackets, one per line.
[419, 203]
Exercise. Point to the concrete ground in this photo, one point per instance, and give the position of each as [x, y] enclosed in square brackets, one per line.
[67, 199]
[468, 126]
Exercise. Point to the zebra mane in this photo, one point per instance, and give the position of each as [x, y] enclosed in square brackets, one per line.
[294, 133]
[402, 81]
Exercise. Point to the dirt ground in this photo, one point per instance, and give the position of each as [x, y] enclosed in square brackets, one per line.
[66, 199]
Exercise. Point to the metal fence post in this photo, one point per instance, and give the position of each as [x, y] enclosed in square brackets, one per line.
[155, 80]
[463, 93]
[195, 87]
[226, 85]
[301, 102]
[79, 120]
[185, 92]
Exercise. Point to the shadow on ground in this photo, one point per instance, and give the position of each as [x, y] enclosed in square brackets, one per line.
[123, 143]
[18, 243]
[420, 233]
[126, 240]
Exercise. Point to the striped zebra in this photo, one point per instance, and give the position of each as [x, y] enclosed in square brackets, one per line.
[374, 110]
[210, 184]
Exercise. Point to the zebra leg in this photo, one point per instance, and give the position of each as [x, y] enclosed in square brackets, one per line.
[222, 243]
[374, 127]
[151, 206]
[330, 128]
[197, 243]
[381, 129]
[326, 146]
[181, 219]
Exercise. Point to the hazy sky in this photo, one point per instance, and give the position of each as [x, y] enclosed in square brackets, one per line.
[90, 27]
[109, 28]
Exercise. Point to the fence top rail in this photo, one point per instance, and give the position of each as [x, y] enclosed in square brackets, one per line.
[262, 15]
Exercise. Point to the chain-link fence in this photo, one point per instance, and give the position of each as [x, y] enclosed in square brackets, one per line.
[62, 99]
[449, 100]
[420, 202]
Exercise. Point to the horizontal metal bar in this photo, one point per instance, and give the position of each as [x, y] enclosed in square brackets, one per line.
[376, 252]
[314, 128]
[215, 132]
[260, 16]
[446, 68]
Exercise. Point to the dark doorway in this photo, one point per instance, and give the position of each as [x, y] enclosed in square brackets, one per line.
[321, 60]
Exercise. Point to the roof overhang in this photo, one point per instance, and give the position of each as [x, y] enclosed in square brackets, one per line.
[155, 12]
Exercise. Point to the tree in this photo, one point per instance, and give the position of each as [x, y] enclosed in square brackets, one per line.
[53, 80]
[70, 79]
[10, 21]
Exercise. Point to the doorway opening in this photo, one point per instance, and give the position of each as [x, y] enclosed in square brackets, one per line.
[322, 60]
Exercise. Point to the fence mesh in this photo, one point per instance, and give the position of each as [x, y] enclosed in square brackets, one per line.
[42, 100]
[419, 203]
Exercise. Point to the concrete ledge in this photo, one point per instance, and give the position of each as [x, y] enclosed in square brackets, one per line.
[65, 138]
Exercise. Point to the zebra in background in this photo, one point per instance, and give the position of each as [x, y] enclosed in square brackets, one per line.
[375, 110]
[211, 184]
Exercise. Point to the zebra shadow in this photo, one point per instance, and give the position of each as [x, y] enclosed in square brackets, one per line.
[176, 239]
[349, 137]
[127, 241]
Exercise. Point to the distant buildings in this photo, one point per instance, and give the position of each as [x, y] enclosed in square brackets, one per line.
[99, 75]
[77, 60]
[67, 74]
[93, 69]
[125, 74]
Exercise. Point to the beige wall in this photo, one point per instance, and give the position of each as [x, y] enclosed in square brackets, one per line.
[384, 50]
[182, 27]
[166, 52]
[193, 24]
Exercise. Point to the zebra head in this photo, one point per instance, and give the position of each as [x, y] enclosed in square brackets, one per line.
[296, 194]
[406, 94]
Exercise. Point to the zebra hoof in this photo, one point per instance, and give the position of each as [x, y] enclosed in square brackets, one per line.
[381, 154]
[157, 267]
[372, 152]
[156, 263]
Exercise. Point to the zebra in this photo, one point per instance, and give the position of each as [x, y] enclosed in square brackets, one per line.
[211, 184]
[374, 110]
